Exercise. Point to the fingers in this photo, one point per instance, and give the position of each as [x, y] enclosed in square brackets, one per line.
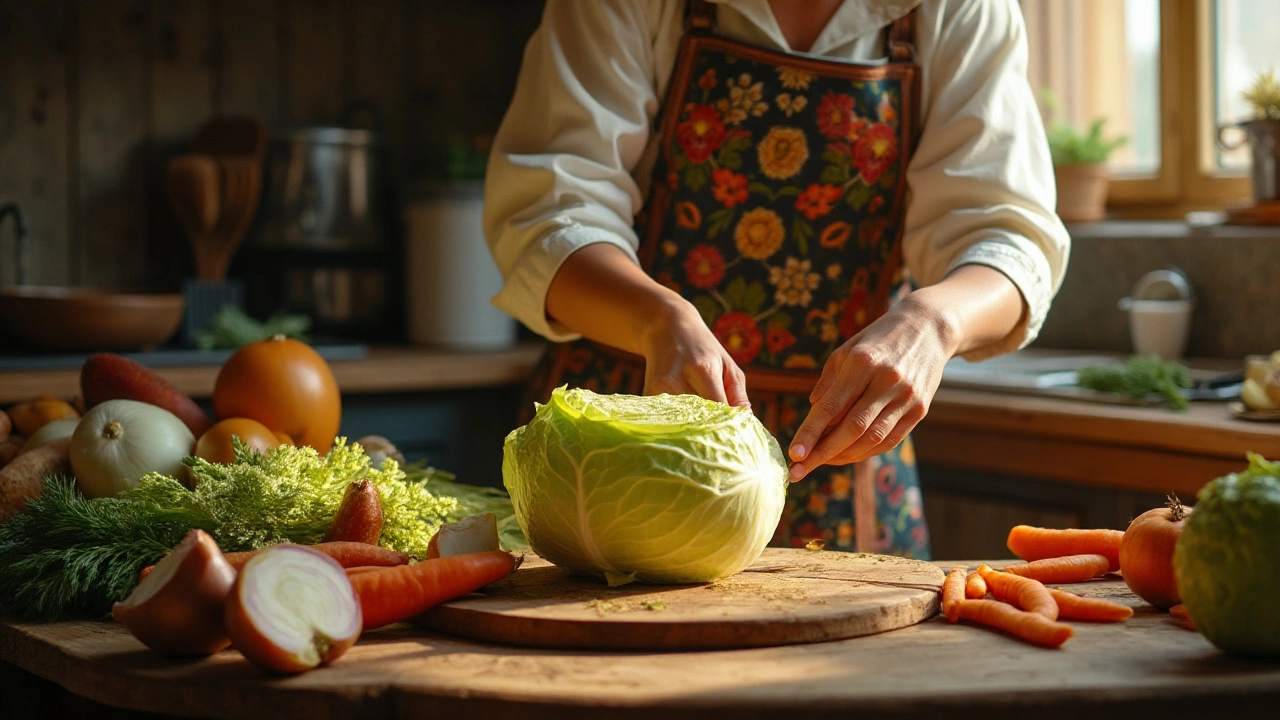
[707, 379]
[830, 371]
[849, 430]
[885, 433]
[848, 385]
[735, 384]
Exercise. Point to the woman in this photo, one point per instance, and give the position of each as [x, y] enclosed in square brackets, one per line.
[726, 198]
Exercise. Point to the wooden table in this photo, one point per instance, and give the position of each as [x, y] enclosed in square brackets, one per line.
[1147, 667]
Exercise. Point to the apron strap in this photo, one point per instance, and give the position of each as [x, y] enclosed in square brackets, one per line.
[700, 15]
[900, 43]
[865, 520]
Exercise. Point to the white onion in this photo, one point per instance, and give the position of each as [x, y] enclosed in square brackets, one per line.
[119, 441]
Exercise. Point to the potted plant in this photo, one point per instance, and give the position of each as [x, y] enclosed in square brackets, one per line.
[1263, 133]
[1080, 167]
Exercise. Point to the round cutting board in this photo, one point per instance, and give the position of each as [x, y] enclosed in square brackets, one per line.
[786, 597]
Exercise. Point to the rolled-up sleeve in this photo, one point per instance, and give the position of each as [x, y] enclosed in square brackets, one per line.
[982, 186]
[559, 175]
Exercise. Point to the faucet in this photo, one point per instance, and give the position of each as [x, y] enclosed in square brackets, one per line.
[20, 240]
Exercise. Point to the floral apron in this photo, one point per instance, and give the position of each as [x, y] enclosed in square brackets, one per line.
[777, 210]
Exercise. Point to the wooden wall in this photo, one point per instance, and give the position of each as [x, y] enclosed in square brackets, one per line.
[96, 94]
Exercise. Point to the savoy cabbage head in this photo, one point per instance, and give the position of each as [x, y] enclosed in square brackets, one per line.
[665, 489]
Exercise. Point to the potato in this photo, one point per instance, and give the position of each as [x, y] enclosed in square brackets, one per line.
[6, 426]
[23, 479]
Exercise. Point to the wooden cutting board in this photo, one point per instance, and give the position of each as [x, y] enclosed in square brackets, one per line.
[786, 597]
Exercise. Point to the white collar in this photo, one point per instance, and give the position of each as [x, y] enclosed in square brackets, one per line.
[854, 19]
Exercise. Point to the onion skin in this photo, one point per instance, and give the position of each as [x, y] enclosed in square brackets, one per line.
[255, 645]
[359, 517]
[476, 534]
[1146, 554]
[185, 617]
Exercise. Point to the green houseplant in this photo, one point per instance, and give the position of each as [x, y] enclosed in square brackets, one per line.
[1262, 131]
[1080, 165]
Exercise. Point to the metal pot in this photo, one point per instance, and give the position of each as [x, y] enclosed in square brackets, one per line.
[1263, 137]
[324, 190]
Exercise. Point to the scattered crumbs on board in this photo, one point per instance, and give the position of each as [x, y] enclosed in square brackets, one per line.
[654, 605]
[815, 545]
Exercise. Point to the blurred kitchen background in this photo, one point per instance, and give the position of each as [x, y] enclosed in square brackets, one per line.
[360, 129]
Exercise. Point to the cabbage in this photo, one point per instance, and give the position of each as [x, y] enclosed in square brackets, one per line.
[665, 489]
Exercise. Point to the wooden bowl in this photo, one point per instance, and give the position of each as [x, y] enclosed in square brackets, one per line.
[88, 319]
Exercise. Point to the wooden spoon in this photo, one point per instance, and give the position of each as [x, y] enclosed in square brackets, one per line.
[195, 192]
[240, 183]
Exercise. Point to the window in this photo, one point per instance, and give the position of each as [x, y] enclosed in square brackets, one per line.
[1165, 74]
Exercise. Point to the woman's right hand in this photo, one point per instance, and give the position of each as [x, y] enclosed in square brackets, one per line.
[683, 356]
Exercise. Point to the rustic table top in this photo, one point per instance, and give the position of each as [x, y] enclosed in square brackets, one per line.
[1146, 667]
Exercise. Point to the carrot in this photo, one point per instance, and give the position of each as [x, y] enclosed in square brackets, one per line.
[1030, 595]
[952, 593]
[1033, 543]
[1180, 611]
[1068, 569]
[975, 588]
[348, 554]
[1074, 607]
[398, 593]
[363, 569]
[1029, 626]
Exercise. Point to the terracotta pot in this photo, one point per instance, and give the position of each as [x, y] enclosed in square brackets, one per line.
[1082, 191]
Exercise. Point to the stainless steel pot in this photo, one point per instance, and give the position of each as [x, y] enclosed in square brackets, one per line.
[1263, 137]
[324, 190]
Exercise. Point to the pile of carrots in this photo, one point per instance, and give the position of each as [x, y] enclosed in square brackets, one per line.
[1023, 606]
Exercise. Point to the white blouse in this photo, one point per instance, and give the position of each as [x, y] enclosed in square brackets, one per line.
[570, 164]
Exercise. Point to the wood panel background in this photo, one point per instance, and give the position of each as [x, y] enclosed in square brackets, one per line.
[95, 95]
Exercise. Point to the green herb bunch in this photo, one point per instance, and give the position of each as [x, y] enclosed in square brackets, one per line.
[1140, 377]
[67, 555]
[232, 329]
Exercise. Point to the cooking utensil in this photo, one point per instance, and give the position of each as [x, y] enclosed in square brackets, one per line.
[786, 597]
[238, 175]
[1160, 310]
[89, 319]
[194, 191]
[1263, 137]
[324, 190]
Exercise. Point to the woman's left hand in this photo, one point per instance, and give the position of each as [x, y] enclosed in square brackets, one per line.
[876, 387]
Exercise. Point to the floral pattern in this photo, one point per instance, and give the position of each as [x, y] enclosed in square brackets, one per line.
[781, 224]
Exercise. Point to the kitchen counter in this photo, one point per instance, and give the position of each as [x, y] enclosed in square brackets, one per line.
[1147, 667]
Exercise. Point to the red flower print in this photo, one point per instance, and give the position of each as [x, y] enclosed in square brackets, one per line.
[835, 235]
[708, 79]
[874, 152]
[854, 315]
[876, 203]
[835, 116]
[701, 134]
[730, 187]
[817, 200]
[739, 335]
[777, 339]
[704, 266]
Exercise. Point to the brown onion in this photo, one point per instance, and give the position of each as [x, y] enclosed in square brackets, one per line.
[1146, 553]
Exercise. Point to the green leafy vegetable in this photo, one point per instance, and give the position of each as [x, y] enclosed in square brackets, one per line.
[665, 489]
[1069, 146]
[232, 329]
[74, 556]
[1140, 377]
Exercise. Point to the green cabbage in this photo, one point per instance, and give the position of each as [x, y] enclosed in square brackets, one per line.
[665, 489]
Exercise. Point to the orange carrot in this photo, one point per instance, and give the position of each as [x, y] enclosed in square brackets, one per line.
[1180, 611]
[1074, 607]
[348, 554]
[363, 569]
[1033, 543]
[975, 588]
[1030, 595]
[1068, 569]
[398, 593]
[953, 593]
[1029, 626]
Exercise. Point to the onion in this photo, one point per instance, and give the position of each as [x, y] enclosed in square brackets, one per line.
[292, 609]
[119, 441]
[478, 533]
[1146, 553]
[50, 433]
[177, 609]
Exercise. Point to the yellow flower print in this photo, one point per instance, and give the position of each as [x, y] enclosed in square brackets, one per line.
[907, 453]
[782, 152]
[794, 282]
[800, 362]
[745, 99]
[669, 248]
[817, 505]
[759, 233]
[794, 78]
[834, 270]
[829, 331]
[790, 104]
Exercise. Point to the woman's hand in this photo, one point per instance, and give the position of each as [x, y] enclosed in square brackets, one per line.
[877, 386]
[682, 356]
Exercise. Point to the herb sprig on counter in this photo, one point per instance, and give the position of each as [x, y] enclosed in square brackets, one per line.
[232, 329]
[67, 555]
[1140, 377]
